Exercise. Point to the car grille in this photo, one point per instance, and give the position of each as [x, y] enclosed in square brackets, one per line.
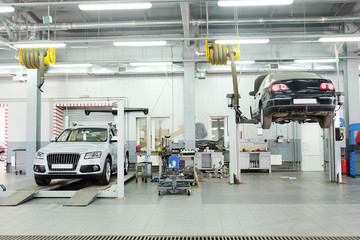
[63, 158]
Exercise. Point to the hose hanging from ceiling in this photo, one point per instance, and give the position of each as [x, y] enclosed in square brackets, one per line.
[37, 58]
[218, 54]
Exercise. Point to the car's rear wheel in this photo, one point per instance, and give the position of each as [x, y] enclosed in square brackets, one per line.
[42, 181]
[265, 120]
[106, 174]
[326, 121]
[126, 164]
[2, 156]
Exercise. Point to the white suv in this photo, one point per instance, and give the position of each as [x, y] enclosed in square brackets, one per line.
[79, 152]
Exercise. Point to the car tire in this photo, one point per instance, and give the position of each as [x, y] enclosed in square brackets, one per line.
[2, 156]
[106, 174]
[326, 121]
[264, 120]
[126, 164]
[42, 181]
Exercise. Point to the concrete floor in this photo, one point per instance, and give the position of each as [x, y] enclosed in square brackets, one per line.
[264, 205]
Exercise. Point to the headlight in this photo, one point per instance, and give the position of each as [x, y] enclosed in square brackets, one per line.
[92, 155]
[39, 155]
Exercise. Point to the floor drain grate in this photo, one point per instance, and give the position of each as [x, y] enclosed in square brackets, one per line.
[69, 237]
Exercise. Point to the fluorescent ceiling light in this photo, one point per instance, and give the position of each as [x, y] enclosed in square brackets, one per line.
[140, 43]
[332, 60]
[339, 39]
[72, 65]
[243, 41]
[6, 9]
[40, 45]
[243, 3]
[11, 66]
[115, 6]
[151, 64]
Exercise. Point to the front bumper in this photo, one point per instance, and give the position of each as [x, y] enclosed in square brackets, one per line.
[84, 168]
[324, 104]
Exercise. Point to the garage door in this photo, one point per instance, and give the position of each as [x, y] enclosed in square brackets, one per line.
[78, 116]
[312, 147]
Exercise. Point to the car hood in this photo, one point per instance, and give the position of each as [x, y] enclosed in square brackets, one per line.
[73, 147]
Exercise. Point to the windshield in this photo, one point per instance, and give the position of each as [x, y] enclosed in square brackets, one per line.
[83, 135]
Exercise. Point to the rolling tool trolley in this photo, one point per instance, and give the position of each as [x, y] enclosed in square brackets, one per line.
[172, 179]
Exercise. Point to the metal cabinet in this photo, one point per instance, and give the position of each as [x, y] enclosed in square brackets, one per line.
[255, 160]
[208, 160]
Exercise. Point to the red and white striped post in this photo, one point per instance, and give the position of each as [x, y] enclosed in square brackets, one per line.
[5, 106]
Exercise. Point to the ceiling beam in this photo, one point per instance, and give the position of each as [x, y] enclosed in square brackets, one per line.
[61, 3]
[185, 15]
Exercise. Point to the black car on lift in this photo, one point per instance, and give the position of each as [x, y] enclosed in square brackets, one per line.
[293, 96]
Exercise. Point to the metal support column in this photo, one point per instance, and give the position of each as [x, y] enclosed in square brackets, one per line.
[120, 124]
[33, 118]
[235, 171]
[189, 98]
[335, 174]
[351, 85]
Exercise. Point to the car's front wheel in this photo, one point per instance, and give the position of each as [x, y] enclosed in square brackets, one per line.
[106, 174]
[265, 120]
[326, 121]
[42, 181]
[2, 156]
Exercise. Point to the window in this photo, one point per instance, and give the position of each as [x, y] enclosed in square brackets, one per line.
[219, 129]
[160, 128]
[141, 132]
[83, 135]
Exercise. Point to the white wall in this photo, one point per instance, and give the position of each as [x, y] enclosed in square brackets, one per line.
[162, 94]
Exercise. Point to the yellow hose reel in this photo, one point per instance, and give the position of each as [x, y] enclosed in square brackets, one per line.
[37, 58]
[30, 58]
[217, 54]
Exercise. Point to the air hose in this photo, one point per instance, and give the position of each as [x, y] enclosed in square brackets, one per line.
[37, 58]
[218, 54]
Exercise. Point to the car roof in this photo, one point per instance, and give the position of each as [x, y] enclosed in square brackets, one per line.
[293, 75]
[90, 126]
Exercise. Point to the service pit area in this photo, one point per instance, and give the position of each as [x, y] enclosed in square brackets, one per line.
[79, 192]
[265, 205]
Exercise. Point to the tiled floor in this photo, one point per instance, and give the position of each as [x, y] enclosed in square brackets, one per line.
[264, 205]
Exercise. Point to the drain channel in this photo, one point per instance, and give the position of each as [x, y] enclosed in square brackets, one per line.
[69, 237]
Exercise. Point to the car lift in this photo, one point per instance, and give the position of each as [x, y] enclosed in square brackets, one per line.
[88, 194]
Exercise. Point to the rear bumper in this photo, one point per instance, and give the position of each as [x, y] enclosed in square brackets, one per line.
[327, 104]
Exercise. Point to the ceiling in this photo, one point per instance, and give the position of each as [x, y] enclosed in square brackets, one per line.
[169, 19]
[293, 29]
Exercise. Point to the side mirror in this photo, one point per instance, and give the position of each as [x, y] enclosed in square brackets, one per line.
[53, 138]
[252, 93]
[114, 139]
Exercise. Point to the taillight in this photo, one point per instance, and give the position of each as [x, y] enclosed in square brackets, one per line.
[279, 87]
[327, 86]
